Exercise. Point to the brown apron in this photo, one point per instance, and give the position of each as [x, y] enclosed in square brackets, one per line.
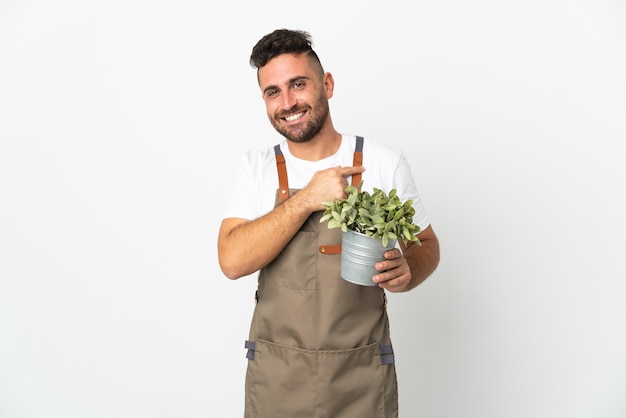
[319, 346]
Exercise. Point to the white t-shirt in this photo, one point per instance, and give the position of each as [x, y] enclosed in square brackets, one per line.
[253, 192]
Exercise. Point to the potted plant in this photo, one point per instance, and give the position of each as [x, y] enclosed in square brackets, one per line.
[371, 223]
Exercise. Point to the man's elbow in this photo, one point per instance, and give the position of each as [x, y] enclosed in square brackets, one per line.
[230, 269]
[231, 274]
[234, 268]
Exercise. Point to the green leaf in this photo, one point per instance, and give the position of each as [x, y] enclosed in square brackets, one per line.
[326, 217]
[377, 214]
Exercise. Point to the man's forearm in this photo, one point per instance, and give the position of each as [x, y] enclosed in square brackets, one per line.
[253, 244]
[422, 259]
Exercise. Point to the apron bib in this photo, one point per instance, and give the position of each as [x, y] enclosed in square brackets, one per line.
[318, 346]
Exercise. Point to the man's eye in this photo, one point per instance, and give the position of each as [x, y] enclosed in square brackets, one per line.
[298, 85]
[271, 93]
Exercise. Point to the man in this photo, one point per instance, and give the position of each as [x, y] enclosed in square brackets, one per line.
[318, 346]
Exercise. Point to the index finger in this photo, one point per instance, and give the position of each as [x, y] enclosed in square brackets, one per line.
[350, 170]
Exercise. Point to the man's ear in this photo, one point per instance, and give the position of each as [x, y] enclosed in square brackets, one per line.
[329, 85]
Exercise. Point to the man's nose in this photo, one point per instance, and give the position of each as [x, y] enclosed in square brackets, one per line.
[289, 101]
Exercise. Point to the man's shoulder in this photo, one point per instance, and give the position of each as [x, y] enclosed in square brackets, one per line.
[381, 148]
[260, 155]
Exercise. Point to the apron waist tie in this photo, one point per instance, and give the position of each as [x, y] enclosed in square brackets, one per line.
[386, 354]
[251, 346]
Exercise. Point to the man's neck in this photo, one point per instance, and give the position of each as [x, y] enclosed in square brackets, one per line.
[318, 148]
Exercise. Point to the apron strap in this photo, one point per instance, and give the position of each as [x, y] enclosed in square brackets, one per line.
[357, 160]
[283, 183]
[330, 249]
[281, 167]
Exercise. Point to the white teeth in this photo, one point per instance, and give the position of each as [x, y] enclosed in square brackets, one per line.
[294, 117]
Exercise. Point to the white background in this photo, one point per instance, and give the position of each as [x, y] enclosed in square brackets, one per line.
[120, 122]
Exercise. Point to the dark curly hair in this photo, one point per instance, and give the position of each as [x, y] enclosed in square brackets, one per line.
[282, 41]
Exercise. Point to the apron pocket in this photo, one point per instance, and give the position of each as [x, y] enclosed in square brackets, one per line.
[286, 382]
[281, 382]
[295, 266]
[356, 383]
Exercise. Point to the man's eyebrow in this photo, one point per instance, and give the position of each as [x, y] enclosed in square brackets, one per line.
[298, 78]
[269, 88]
[291, 81]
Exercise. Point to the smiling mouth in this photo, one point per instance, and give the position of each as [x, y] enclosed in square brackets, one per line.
[294, 117]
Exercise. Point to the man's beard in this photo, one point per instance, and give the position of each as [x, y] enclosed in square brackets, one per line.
[310, 129]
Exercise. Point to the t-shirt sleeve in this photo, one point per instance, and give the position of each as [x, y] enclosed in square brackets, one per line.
[243, 192]
[407, 189]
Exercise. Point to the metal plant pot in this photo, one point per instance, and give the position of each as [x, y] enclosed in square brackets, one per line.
[359, 255]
